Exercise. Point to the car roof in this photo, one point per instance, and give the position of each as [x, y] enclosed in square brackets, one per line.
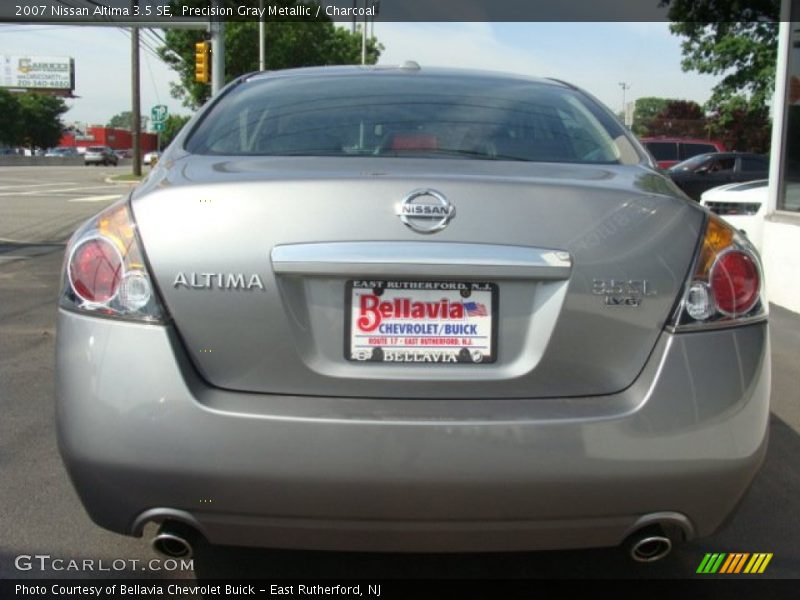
[681, 139]
[730, 154]
[409, 67]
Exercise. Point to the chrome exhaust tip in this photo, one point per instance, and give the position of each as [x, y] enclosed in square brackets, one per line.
[174, 540]
[650, 548]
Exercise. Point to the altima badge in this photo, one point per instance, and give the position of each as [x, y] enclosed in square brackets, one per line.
[425, 211]
[218, 281]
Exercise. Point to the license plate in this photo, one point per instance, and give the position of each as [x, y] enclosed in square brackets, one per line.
[437, 322]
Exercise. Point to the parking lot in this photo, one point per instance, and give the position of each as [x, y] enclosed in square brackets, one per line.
[40, 513]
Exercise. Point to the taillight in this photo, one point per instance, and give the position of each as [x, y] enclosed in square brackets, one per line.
[726, 285]
[105, 271]
[95, 270]
[735, 282]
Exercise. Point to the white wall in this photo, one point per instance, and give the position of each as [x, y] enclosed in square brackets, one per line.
[781, 258]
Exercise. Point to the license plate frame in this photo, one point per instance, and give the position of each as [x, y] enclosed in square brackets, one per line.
[479, 321]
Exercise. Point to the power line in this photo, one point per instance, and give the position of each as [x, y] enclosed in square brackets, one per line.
[152, 78]
[162, 40]
[148, 50]
[146, 46]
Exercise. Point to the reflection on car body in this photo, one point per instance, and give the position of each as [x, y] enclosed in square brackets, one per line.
[706, 171]
[565, 353]
[743, 205]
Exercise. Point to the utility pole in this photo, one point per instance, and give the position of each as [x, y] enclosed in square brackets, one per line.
[262, 51]
[136, 123]
[364, 37]
[364, 42]
[625, 86]
[217, 50]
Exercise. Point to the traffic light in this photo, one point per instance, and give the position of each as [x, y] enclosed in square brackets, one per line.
[202, 62]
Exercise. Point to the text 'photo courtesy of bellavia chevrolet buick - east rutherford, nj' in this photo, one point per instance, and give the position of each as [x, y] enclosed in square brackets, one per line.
[410, 309]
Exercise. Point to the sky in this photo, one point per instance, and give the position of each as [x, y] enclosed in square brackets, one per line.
[595, 56]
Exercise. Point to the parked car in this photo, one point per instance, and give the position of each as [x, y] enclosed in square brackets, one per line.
[151, 158]
[743, 205]
[669, 151]
[706, 171]
[62, 151]
[410, 309]
[123, 153]
[100, 155]
[32, 152]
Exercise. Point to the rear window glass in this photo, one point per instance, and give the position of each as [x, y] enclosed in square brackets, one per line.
[663, 150]
[754, 164]
[693, 163]
[690, 150]
[722, 164]
[95, 149]
[410, 116]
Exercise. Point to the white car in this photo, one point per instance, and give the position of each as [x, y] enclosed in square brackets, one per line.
[151, 158]
[742, 205]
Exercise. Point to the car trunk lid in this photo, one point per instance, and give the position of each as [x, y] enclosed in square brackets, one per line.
[259, 263]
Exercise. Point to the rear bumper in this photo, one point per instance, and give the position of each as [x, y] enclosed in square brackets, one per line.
[143, 438]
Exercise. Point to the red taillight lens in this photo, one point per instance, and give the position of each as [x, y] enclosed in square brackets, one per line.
[726, 286]
[105, 271]
[95, 270]
[736, 282]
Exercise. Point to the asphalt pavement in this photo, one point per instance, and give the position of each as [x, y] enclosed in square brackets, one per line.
[41, 514]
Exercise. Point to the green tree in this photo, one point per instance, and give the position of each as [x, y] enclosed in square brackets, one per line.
[40, 116]
[123, 120]
[10, 120]
[680, 118]
[742, 126]
[733, 39]
[290, 42]
[172, 126]
[646, 110]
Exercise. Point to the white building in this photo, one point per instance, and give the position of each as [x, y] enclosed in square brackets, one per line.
[781, 233]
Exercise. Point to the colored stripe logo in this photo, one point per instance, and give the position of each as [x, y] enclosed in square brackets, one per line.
[734, 563]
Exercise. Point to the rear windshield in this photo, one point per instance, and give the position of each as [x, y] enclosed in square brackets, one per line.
[411, 116]
[95, 149]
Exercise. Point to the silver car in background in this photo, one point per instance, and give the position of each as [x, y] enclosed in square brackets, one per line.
[410, 309]
[100, 155]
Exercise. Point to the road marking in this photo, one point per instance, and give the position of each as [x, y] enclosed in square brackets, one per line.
[28, 185]
[5, 240]
[95, 198]
[59, 191]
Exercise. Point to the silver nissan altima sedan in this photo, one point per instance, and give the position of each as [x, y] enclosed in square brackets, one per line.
[410, 309]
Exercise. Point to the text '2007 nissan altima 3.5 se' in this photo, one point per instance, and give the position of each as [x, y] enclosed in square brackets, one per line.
[410, 309]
